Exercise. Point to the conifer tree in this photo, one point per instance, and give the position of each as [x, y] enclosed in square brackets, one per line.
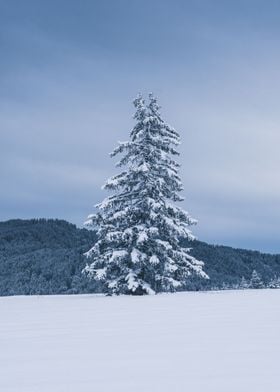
[243, 283]
[139, 228]
[274, 283]
[256, 281]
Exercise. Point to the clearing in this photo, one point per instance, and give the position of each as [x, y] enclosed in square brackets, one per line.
[215, 342]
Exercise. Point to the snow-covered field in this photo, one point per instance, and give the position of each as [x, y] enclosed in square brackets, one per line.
[186, 342]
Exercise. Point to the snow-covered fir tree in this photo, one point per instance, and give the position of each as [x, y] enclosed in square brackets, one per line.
[139, 228]
[256, 281]
[243, 283]
[274, 283]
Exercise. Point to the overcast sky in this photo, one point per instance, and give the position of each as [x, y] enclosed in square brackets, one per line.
[70, 69]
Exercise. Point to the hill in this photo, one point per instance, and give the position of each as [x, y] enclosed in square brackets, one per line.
[42, 256]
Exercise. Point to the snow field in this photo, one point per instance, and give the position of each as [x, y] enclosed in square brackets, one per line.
[215, 342]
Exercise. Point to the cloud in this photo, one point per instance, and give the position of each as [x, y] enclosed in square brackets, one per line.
[66, 88]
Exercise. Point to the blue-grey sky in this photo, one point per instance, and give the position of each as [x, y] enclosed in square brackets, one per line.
[70, 69]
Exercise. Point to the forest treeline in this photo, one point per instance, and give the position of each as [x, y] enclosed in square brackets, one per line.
[45, 256]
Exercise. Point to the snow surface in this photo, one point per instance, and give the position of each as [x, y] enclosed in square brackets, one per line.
[220, 342]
